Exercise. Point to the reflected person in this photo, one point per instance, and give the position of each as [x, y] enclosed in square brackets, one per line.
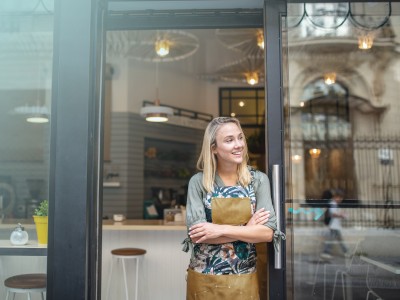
[335, 225]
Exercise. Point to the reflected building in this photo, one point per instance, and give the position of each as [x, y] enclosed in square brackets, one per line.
[342, 100]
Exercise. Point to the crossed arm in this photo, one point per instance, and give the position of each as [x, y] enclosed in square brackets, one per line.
[253, 232]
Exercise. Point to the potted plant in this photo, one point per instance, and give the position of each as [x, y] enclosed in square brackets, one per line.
[40, 218]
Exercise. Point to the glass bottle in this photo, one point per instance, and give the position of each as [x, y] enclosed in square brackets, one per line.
[19, 236]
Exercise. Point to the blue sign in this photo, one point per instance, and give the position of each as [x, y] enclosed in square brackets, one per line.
[317, 212]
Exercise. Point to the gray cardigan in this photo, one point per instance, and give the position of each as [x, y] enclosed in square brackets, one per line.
[196, 194]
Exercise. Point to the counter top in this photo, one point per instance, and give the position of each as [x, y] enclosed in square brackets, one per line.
[143, 225]
[130, 224]
[32, 248]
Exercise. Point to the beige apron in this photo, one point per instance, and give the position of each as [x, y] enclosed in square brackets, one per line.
[230, 211]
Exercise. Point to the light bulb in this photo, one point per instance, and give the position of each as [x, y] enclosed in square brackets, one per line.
[37, 119]
[162, 47]
[260, 40]
[330, 78]
[315, 152]
[252, 78]
[365, 42]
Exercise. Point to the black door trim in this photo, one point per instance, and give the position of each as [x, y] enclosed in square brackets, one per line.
[74, 249]
[274, 10]
[185, 19]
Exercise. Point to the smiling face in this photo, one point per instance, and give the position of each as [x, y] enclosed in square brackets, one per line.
[229, 145]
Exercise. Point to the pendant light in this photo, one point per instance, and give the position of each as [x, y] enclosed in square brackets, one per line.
[156, 112]
[330, 78]
[162, 47]
[315, 152]
[365, 41]
[38, 113]
[251, 78]
[260, 39]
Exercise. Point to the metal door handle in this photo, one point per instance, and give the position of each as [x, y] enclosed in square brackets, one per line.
[276, 184]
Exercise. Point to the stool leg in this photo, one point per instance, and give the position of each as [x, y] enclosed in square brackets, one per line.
[137, 278]
[29, 296]
[8, 293]
[14, 295]
[109, 278]
[126, 284]
[42, 293]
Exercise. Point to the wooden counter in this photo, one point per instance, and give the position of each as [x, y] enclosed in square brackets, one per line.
[143, 225]
[163, 270]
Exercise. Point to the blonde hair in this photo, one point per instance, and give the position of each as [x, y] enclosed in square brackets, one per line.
[207, 161]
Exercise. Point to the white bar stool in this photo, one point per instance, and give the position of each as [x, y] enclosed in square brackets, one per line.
[27, 284]
[124, 254]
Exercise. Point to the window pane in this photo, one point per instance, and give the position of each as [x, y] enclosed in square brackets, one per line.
[342, 149]
[26, 51]
[247, 104]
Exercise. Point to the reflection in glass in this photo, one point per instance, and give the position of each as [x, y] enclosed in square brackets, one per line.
[353, 122]
[26, 50]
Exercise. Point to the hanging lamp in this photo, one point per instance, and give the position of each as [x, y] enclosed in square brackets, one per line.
[162, 47]
[330, 78]
[251, 78]
[315, 152]
[365, 42]
[156, 112]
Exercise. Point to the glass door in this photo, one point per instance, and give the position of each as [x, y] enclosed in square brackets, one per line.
[26, 51]
[342, 150]
[214, 66]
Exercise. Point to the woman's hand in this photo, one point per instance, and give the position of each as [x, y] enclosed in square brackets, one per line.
[204, 231]
[219, 234]
[260, 217]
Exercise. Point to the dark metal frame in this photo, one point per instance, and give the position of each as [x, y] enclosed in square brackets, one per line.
[256, 116]
[274, 11]
[188, 19]
[244, 19]
[74, 249]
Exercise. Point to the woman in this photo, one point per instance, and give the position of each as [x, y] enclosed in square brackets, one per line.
[228, 210]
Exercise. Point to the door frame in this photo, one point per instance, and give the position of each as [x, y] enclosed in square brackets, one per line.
[269, 18]
[76, 151]
[274, 12]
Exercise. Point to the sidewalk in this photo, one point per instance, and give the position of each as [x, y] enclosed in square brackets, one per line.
[314, 277]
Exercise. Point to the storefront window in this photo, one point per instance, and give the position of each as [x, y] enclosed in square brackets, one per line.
[26, 50]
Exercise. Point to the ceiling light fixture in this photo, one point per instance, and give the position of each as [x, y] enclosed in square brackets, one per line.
[365, 42]
[152, 45]
[35, 114]
[315, 152]
[260, 40]
[156, 112]
[248, 41]
[162, 47]
[296, 158]
[252, 78]
[37, 119]
[330, 78]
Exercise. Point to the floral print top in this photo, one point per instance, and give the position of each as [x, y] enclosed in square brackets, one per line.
[230, 258]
